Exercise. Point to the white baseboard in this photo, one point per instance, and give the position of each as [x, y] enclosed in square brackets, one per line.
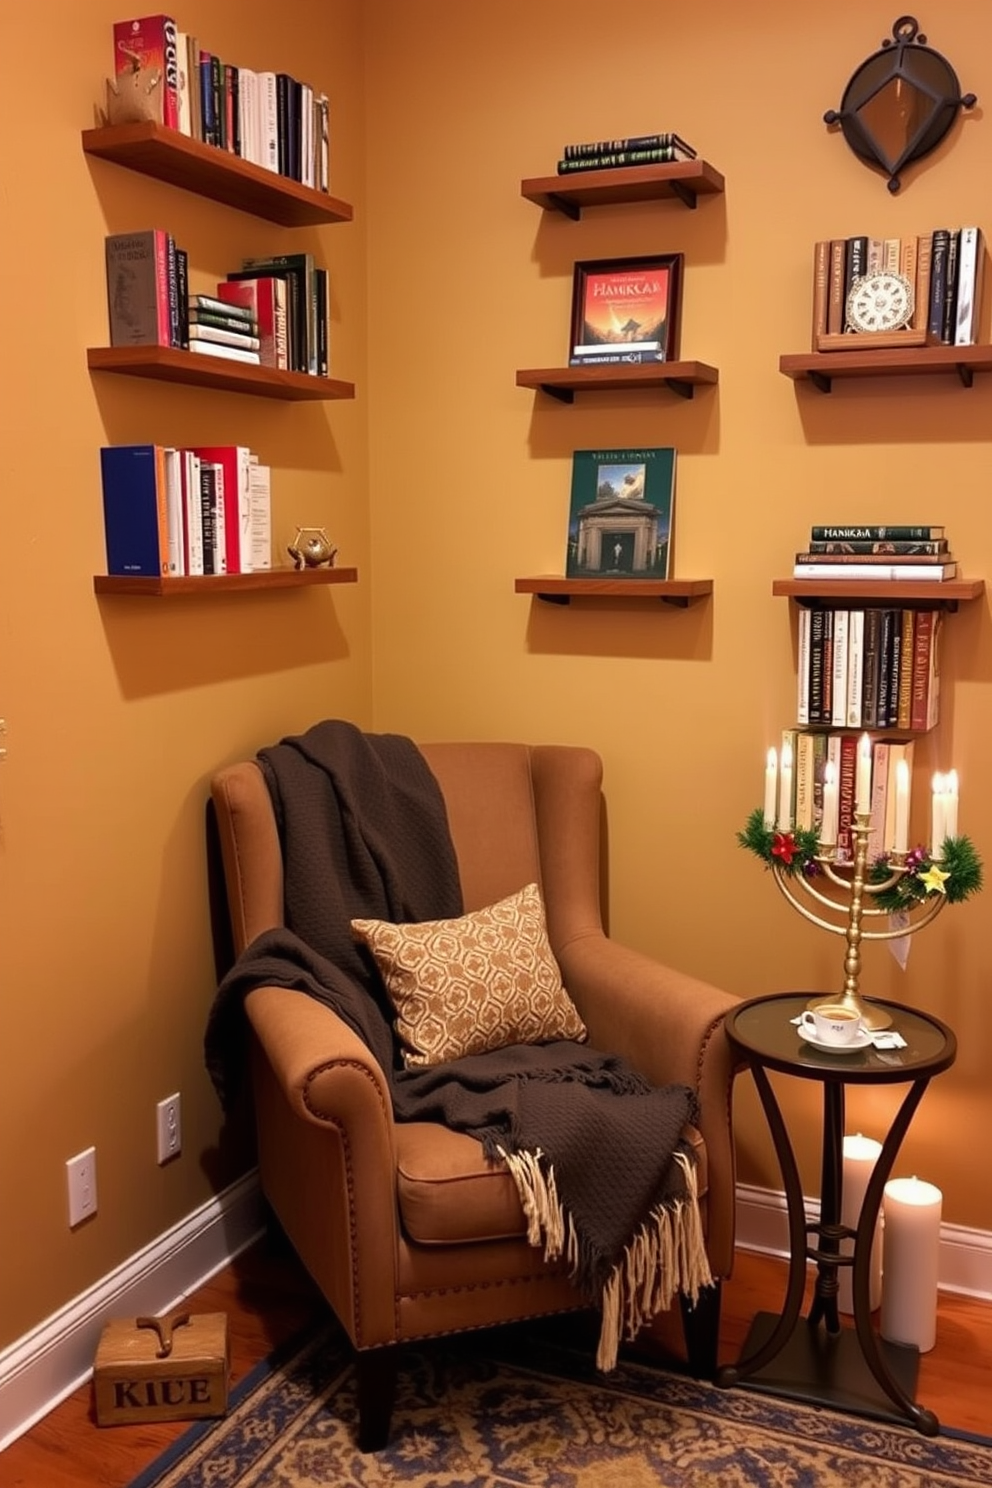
[47, 1364]
[965, 1257]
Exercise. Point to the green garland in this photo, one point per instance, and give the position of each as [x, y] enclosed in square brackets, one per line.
[957, 874]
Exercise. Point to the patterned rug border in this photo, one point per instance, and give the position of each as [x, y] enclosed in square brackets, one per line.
[543, 1359]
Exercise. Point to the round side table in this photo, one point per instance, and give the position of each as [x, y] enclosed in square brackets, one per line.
[823, 1362]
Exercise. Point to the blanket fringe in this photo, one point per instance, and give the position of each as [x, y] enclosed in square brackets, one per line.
[667, 1254]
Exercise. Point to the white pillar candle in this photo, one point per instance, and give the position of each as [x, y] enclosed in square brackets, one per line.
[910, 1250]
[860, 1155]
[902, 807]
[828, 824]
[862, 794]
[771, 786]
[951, 804]
[937, 815]
[785, 789]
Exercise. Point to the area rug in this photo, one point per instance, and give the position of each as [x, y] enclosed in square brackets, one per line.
[479, 1413]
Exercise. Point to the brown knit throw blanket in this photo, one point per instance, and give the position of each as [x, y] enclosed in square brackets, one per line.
[604, 1176]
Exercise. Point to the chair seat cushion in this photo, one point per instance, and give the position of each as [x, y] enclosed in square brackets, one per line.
[449, 1195]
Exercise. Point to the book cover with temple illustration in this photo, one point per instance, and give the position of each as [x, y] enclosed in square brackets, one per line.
[621, 515]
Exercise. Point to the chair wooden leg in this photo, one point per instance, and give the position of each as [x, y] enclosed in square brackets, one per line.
[376, 1371]
[701, 1327]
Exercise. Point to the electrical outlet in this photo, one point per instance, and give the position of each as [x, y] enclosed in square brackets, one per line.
[170, 1135]
[81, 1175]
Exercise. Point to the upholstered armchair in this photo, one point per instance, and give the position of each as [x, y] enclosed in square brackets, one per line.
[406, 1229]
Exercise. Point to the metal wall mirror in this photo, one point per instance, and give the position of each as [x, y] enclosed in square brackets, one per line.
[900, 102]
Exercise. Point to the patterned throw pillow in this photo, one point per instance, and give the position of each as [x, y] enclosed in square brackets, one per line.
[477, 983]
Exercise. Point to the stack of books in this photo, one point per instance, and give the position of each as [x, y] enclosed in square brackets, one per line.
[217, 328]
[637, 149]
[862, 551]
[945, 270]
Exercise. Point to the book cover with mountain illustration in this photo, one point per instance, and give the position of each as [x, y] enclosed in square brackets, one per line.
[621, 515]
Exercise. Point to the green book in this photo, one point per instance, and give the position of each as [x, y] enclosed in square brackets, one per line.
[620, 520]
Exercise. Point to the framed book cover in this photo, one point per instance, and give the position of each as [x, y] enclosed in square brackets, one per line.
[628, 308]
[621, 517]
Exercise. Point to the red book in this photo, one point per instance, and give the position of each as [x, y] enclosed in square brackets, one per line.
[146, 52]
[266, 299]
[235, 464]
[845, 795]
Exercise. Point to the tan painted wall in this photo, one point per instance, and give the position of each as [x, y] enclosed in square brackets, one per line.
[119, 709]
[469, 282]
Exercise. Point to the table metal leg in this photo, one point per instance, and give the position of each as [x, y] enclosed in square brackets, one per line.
[829, 1229]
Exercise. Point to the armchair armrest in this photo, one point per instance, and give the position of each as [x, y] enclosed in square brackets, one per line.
[670, 1027]
[327, 1152]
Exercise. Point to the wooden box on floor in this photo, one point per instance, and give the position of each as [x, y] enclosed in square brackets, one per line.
[174, 1368]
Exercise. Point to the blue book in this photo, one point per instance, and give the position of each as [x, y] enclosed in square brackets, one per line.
[134, 510]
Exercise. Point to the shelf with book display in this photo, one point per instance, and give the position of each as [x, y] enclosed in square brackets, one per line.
[681, 180]
[564, 382]
[153, 150]
[822, 367]
[170, 364]
[554, 589]
[946, 594]
[202, 585]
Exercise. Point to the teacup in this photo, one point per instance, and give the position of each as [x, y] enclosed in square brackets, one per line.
[831, 1024]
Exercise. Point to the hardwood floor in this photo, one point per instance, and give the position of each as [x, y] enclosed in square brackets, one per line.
[268, 1297]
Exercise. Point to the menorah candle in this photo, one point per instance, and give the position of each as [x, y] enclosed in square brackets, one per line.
[938, 815]
[902, 807]
[828, 823]
[785, 789]
[951, 804]
[771, 786]
[860, 1155]
[862, 794]
[910, 1252]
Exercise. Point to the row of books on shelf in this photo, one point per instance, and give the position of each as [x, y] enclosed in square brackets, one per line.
[944, 269]
[869, 668]
[272, 312]
[817, 758]
[269, 118]
[174, 512]
[896, 553]
[637, 149]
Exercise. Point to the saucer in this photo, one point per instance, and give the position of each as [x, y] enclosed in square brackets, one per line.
[861, 1042]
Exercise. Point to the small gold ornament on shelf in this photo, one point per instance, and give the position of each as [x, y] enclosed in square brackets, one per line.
[312, 548]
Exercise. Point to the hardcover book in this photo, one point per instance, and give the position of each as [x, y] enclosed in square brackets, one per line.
[135, 518]
[146, 66]
[138, 288]
[265, 300]
[868, 533]
[621, 514]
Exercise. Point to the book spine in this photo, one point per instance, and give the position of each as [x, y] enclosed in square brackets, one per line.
[855, 266]
[172, 476]
[907, 265]
[261, 517]
[893, 572]
[322, 294]
[869, 694]
[922, 642]
[866, 532]
[855, 666]
[220, 322]
[192, 514]
[939, 243]
[665, 155]
[802, 670]
[885, 644]
[879, 794]
[826, 705]
[845, 796]
[965, 313]
[815, 704]
[631, 142]
[838, 692]
[170, 53]
[231, 110]
[613, 358]
[921, 301]
[950, 290]
[182, 294]
[231, 353]
[835, 291]
[907, 652]
[208, 505]
[882, 559]
[217, 336]
[821, 280]
[134, 510]
[899, 548]
[804, 781]
[891, 254]
[207, 99]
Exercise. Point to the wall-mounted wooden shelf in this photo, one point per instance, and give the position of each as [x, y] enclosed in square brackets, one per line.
[170, 364]
[682, 180]
[944, 594]
[564, 382]
[557, 590]
[202, 585]
[167, 155]
[821, 367]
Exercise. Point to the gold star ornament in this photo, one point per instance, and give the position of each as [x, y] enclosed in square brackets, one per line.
[934, 880]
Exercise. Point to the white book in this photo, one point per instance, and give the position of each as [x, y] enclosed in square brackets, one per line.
[192, 513]
[899, 572]
[243, 497]
[260, 477]
[248, 114]
[877, 844]
[802, 675]
[605, 347]
[971, 264]
[220, 337]
[855, 666]
[323, 144]
[268, 121]
[839, 667]
[306, 135]
[231, 353]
